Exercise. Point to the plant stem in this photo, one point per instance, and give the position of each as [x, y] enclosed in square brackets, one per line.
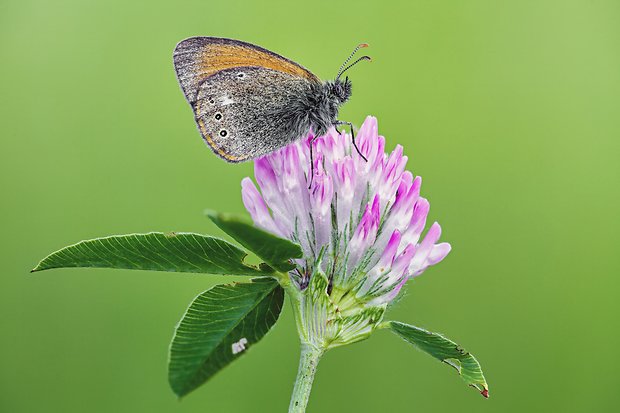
[308, 362]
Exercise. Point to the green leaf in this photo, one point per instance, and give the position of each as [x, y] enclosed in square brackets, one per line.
[446, 351]
[183, 252]
[220, 325]
[274, 250]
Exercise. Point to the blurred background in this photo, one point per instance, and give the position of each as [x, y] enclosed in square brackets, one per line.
[509, 110]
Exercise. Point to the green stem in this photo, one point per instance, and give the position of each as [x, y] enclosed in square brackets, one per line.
[308, 362]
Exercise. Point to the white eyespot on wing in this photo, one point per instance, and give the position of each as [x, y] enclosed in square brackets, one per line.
[239, 346]
[241, 75]
[226, 100]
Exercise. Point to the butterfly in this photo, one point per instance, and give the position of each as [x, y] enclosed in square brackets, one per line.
[249, 101]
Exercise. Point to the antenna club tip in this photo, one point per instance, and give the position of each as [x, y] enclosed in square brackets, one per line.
[362, 45]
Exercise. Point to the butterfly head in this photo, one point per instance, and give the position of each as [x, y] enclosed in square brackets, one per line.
[339, 90]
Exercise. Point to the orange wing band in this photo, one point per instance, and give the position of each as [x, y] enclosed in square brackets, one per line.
[217, 57]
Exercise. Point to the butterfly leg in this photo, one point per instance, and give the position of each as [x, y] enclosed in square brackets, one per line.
[311, 161]
[340, 122]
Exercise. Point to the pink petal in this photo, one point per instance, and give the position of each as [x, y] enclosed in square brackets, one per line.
[401, 263]
[322, 192]
[419, 262]
[438, 253]
[418, 221]
[387, 257]
[256, 206]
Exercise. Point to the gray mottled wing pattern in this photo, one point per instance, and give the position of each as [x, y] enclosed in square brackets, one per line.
[241, 117]
[241, 112]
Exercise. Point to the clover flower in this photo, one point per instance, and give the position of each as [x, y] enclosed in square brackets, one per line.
[360, 225]
[340, 238]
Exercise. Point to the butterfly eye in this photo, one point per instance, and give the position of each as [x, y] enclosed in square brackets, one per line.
[218, 116]
[223, 133]
[240, 75]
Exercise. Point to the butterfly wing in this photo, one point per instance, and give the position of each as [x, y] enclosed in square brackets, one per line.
[240, 94]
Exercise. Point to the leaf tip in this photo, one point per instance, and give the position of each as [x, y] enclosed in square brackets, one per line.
[210, 213]
[178, 391]
[36, 269]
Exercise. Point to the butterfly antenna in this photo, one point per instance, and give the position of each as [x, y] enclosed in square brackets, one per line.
[354, 63]
[342, 67]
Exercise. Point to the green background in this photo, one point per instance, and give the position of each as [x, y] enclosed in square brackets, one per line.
[509, 111]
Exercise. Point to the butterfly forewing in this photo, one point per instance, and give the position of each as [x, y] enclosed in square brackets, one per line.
[238, 92]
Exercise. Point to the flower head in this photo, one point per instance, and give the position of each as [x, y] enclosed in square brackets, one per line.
[359, 223]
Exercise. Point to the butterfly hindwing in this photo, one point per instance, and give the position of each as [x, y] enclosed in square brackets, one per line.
[241, 111]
